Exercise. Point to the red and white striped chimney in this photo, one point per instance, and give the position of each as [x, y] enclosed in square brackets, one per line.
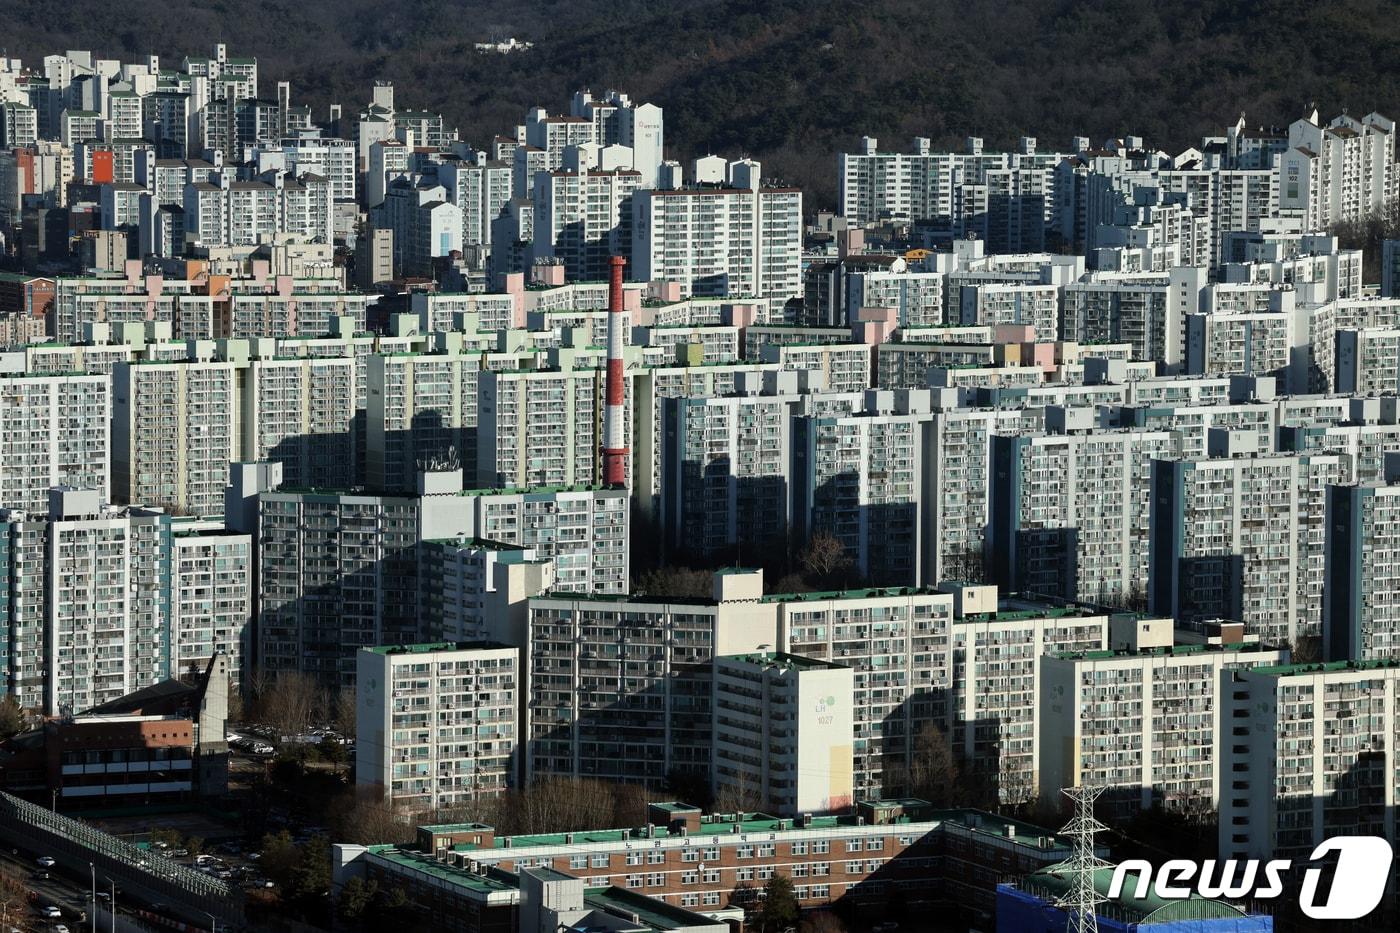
[614, 446]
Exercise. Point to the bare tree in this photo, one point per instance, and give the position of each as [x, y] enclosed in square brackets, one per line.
[966, 567]
[289, 703]
[342, 710]
[371, 822]
[740, 796]
[677, 581]
[255, 684]
[630, 804]
[14, 898]
[559, 804]
[12, 719]
[822, 921]
[825, 558]
[933, 769]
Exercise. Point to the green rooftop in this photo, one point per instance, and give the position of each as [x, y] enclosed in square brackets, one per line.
[784, 660]
[873, 592]
[431, 647]
[1286, 670]
[1164, 651]
[445, 871]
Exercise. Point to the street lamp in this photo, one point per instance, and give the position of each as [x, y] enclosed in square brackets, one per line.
[213, 922]
[112, 906]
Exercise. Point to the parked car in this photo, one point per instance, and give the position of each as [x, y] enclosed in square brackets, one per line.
[46, 861]
[51, 913]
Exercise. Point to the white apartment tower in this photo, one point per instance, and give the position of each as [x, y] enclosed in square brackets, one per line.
[784, 728]
[742, 240]
[1148, 722]
[175, 431]
[55, 430]
[437, 725]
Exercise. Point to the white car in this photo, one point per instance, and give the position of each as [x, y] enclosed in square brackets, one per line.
[59, 928]
[52, 913]
[45, 861]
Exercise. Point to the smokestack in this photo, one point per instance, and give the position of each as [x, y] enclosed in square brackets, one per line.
[614, 451]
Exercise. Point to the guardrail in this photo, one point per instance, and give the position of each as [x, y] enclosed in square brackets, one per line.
[157, 879]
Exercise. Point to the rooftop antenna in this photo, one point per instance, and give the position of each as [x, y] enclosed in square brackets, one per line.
[1082, 897]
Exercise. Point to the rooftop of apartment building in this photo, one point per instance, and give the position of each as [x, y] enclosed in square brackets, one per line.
[1329, 667]
[482, 544]
[783, 661]
[436, 646]
[1162, 651]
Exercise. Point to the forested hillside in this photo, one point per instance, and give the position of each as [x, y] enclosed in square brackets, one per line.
[791, 81]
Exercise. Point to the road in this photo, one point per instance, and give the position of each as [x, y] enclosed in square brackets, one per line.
[68, 888]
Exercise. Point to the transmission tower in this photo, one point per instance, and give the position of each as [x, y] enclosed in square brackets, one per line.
[1082, 898]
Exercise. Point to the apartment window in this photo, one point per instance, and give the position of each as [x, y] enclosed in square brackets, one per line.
[578, 861]
[821, 847]
[656, 880]
[656, 858]
[600, 861]
[634, 881]
[799, 848]
[852, 845]
[690, 855]
[634, 858]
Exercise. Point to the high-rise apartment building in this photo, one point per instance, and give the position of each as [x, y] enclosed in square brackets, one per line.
[338, 572]
[1242, 538]
[300, 412]
[1069, 511]
[1311, 755]
[783, 729]
[743, 240]
[1146, 719]
[1338, 172]
[175, 431]
[88, 605]
[421, 410]
[1361, 616]
[582, 218]
[211, 600]
[55, 430]
[436, 725]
